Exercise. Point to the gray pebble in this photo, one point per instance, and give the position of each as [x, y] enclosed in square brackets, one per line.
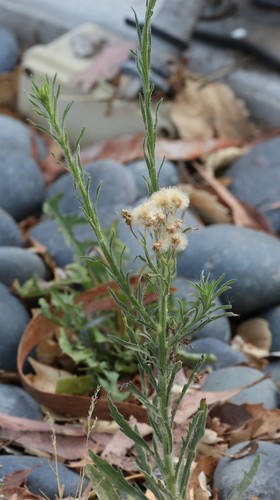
[265, 484]
[251, 257]
[168, 175]
[225, 355]
[16, 135]
[118, 189]
[22, 188]
[19, 264]
[232, 377]
[16, 402]
[219, 329]
[48, 234]
[272, 315]
[256, 179]
[13, 321]
[42, 479]
[8, 50]
[9, 231]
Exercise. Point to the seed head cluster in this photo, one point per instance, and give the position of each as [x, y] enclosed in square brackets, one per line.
[158, 215]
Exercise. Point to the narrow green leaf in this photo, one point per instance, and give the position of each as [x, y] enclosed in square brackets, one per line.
[247, 479]
[101, 486]
[195, 433]
[125, 427]
[115, 477]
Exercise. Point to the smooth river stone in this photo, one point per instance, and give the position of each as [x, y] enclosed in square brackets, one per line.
[250, 257]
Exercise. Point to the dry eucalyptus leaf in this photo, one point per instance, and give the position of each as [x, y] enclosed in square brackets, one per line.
[48, 351]
[130, 148]
[242, 214]
[198, 489]
[9, 89]
[18, 493]
[45, 377]
[208, 206]
[211, 437]
[256, 355]
[210, 111]
[120, 444]
[222, 158]
[267, 420]
[256, 331]
[248, 449]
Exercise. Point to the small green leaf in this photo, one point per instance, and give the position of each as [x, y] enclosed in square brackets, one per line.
[75, 385]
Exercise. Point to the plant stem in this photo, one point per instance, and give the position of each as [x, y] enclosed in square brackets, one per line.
[143, 63]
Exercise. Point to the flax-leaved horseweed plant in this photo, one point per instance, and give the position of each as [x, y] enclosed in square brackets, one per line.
[159, 335]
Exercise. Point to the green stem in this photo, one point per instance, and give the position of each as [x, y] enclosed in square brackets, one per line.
[143, 59]
[164, 374]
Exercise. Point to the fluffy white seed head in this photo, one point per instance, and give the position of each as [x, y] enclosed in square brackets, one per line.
[170, 199]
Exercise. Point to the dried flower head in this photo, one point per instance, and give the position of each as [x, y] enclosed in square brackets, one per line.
[157, 246]
[158, 216]
[143, 215]
[126, 215]
[170, 199]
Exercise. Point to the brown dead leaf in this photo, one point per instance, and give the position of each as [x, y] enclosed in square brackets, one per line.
[229, 415]
[211, 437]
[208, 206]
[257, 357]
[249, 449]
[34, 437]
[269, 420]
[240, 214]
[130, 148]
[16, 493]
[120, 444]
[210, 111]
[46, 377]
[255, 422]
[204, 469]
[9, 89]
[105, 66]
[256, 331]
[49, 351]
[17, 478]
[216, 452]
[222, 158]
[116, 450]
[191, 401]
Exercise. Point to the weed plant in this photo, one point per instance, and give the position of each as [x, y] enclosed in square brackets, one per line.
[159, 335]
